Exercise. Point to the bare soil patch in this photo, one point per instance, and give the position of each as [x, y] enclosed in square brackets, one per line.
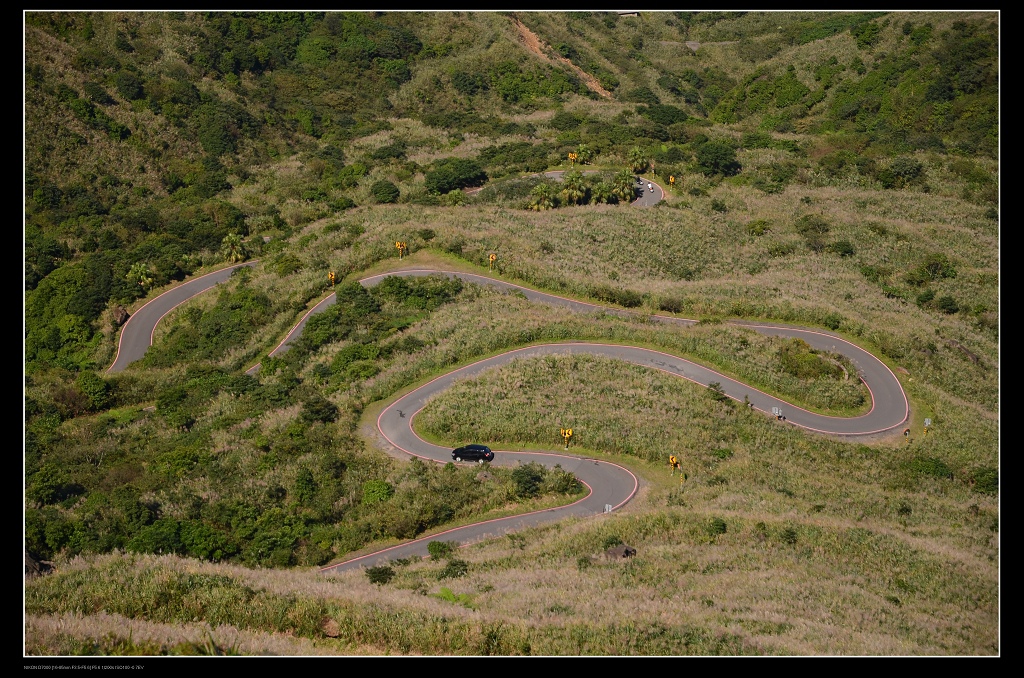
[535, 45]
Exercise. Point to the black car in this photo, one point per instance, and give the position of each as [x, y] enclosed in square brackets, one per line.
[479, 453]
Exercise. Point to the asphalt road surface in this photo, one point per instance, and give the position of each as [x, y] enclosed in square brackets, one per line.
[649, 196]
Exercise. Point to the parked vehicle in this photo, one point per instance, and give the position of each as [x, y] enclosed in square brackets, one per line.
[478, 453]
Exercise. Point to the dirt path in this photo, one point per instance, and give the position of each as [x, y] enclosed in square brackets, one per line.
[534, 44]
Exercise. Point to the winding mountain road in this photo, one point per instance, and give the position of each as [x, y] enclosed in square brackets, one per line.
[610, 486]
[137, 332]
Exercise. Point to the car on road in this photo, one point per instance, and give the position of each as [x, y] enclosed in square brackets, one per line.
[478, 453]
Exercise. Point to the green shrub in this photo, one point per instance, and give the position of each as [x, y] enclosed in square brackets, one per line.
[450, 174]
[613, 295]
[441, 549]
[454, 569]
[758, 227]
[376, 492]
[800, 360]
[384, 191]
[560, 481]
[672, 304]
[287, 264]
[564, 121]
[380, 574]
[935, 266]
[832, 321]
[930, 466]
[317, 408]
[528, 478]
[716, 392]
[844, 248]
[986, 479]
[925, 297]
[395, 151]
[717, 157]
[642, 95]
[610, 541]
[716, 526]
[812, 224]
[875, 274]
[94, 388]
[781, 249]
[947, 304]
[663, 114]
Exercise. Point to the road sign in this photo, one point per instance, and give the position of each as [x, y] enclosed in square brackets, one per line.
[331, 276]
[777, 411]
[607, 508]
[927, 422]
[490, 260]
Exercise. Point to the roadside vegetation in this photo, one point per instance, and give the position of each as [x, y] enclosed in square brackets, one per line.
[831, 170]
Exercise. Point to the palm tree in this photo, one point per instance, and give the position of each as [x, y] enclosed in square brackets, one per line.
[543, 197]
[624, 185]
[573, 188]
[637, 159]
[603, 192]
[140, 274]
[233, 248]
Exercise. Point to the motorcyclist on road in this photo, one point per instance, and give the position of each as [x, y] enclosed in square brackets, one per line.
[650, 188]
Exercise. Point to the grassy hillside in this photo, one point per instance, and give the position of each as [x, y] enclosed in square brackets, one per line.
[830, 170]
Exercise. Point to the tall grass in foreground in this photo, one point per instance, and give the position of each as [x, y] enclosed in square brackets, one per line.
[707, 579]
